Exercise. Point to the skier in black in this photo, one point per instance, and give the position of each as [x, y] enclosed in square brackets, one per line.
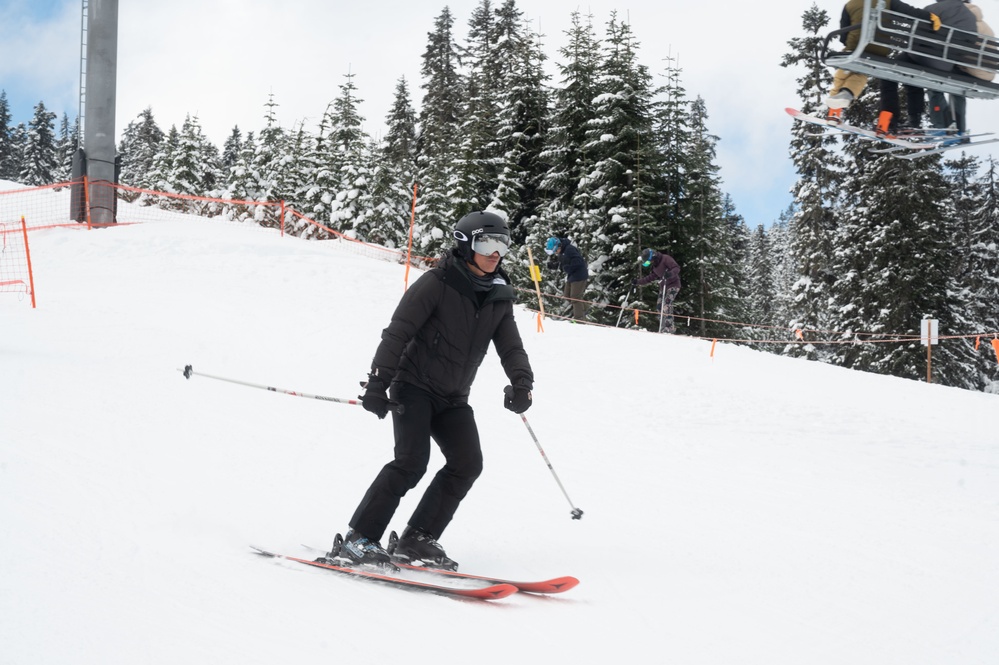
[423, 371]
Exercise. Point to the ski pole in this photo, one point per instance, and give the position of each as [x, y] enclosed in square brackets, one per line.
[576, 513]
[188, 372]
[621, 313]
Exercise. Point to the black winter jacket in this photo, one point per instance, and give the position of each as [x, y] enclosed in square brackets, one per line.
[571, 262]
[439, 334]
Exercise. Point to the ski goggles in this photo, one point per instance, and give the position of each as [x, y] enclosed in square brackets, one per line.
[646, 263]
[487, 243]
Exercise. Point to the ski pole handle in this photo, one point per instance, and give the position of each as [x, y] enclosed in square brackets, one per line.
[188, 372]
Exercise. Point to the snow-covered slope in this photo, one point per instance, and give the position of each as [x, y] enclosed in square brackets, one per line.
[741, 509]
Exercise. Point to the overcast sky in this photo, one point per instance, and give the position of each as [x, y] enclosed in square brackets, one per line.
[221, 59]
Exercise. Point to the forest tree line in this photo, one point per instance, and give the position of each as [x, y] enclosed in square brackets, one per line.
[616, 158]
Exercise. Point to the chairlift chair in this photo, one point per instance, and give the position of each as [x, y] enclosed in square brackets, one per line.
[948, 47]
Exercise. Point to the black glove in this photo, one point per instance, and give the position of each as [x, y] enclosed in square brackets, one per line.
[375, 398]
[553, 263]
[517, 399]
[634, 282]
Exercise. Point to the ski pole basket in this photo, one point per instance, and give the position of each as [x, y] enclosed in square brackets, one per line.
[946, 52]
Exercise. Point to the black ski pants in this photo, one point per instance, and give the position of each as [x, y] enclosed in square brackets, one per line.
[452, 426]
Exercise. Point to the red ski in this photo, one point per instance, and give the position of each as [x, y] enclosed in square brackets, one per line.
[490, 592]
[554, 585]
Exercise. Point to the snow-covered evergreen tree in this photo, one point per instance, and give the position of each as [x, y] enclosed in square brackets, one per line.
[268, 165]
[894, 264]
[613, 199]
[39, 164]
[522, 118]
[66, 145]
[230, 152]
[393, 173]
[439, 157]
[9, 162]
[140, 143]
[820, 175]
[976, 274]
[572, 112]
[349, 165]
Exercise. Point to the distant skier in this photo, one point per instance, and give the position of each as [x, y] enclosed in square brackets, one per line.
[667, 272]
[570, 261]
[427, 360]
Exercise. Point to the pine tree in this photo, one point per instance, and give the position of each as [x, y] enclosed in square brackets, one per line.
[760, 286]
[477, 176]
[140, 143]
[348, 147]
[393, 172]
[701, 241]
[9, 163]
[894, 264]
[572, 113]
[268, 165]
[439, 158]
[230, 151]
[66, 145]
[612, 203]
[812, 226]
[243, 183]
[190, 167]
[522, 116]
[977, 271]
[40, 165]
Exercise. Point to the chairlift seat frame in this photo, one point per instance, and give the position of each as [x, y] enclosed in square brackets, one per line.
[947, 48]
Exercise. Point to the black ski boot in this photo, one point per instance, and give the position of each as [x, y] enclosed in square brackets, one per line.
[357, 549]
[416, 547]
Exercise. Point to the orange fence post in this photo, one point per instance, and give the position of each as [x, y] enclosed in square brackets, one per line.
[995, 346]
[27, 256]
[713, 342]
[409, 247]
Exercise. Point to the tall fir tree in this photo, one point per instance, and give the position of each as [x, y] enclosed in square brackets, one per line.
[812, 226]
[976, 201]
[477, 176]
[39, 164]
[393, 172]
[9, 163]
[230, 151]
[572, 112]
[613, 200]
[523, 101]
[140, 142]
[350, 163]
[66, 145]
[895, 264]
[439, 158]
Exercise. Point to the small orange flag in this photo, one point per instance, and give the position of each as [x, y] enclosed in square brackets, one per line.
[995, 345]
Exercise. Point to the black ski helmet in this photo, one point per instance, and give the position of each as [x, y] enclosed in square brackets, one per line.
[647, 256]
[475, 223]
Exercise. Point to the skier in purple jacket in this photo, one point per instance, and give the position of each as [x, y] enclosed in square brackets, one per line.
[667, 271]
